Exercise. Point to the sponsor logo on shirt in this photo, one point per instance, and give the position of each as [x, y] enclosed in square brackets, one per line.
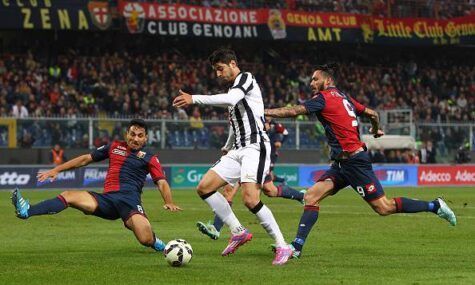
[119, 152]
[121, 147]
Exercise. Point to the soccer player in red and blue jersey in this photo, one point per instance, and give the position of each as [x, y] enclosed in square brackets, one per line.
[351, 164]
[128, 169]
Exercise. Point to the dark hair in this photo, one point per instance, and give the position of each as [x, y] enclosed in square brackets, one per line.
[222, 55]
[328, 69]
[138, 122]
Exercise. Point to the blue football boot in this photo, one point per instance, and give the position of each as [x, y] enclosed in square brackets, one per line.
[21, 205]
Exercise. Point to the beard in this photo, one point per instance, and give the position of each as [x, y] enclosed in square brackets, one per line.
[224, 83]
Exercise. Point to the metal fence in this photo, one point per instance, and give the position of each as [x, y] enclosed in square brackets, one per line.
[212, 134]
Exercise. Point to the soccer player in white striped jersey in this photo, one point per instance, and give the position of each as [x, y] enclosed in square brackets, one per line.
[248, 162]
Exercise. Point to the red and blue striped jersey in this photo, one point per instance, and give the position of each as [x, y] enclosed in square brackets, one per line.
[128, 168]
[337, 112]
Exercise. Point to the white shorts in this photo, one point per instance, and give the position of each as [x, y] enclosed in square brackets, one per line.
[247, 164]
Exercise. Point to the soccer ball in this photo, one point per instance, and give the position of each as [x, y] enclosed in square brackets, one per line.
[178, 252]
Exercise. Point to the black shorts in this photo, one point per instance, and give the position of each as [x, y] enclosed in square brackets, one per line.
[114, 205]
[356, 171]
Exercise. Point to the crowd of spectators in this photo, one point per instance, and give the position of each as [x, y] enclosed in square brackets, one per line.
[440, 9]
[121, 83]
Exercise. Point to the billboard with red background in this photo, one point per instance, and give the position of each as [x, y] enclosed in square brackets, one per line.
[446, 175]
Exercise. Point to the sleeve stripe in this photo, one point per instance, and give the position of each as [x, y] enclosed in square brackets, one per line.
[244, 82]
[239, 87]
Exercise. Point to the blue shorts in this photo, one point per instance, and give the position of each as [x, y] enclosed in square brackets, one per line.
[357, 172]
[114, 205]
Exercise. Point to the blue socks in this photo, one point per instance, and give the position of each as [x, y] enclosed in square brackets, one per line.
[52, 206]
[405, 205]
[288, 192]
[158, 244]
[278, 179]
[308, 219]
[218, 223]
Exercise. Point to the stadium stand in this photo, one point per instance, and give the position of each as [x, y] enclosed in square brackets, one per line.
[78, 75]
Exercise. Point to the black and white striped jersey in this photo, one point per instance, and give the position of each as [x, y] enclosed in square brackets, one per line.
[246, 109]
[247, 116]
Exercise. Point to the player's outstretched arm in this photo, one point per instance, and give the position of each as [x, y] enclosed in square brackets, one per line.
[225, 99]
[79, 161]
[166, 193]
[286, 112]
[375, 126]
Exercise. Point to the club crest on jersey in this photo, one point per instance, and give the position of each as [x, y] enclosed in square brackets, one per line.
[141, 154]
[370, 188]
[119, 152]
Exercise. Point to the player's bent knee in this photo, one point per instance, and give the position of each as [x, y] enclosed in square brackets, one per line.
[68, 196]
[203, 188]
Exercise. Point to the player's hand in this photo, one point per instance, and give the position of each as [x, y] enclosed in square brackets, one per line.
[183, 100]
[171, 207]
[43, 175]
[224, 151]
[377, 134]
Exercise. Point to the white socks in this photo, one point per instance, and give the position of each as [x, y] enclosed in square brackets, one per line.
[221, 208]
[269, 223]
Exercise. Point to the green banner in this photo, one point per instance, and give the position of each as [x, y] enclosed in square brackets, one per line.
[187, 176]
[289, 173]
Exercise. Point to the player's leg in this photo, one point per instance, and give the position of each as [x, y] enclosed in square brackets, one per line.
[213, 229]
[385, 206]
[283, 191]
[252, 177]
[226, 171]
[142, 230]
[80, 200]
[359, 172]
[228, 192]
[129, 208]
[276, 178]
[313, 197]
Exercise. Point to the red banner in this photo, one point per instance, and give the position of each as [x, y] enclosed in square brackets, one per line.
[446, 175]
[276, 24]
[188, 13]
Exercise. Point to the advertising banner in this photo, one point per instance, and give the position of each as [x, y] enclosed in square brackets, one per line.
[446, 175]
[186, 176]
[90, 177]
[397, 175]
[308, 175]
[55, 15]
[289, 173]
[96, 176]
[13, 177]
[278, 24]
[388, 175]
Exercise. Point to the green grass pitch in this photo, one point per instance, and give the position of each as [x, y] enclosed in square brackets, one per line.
[349, 245]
